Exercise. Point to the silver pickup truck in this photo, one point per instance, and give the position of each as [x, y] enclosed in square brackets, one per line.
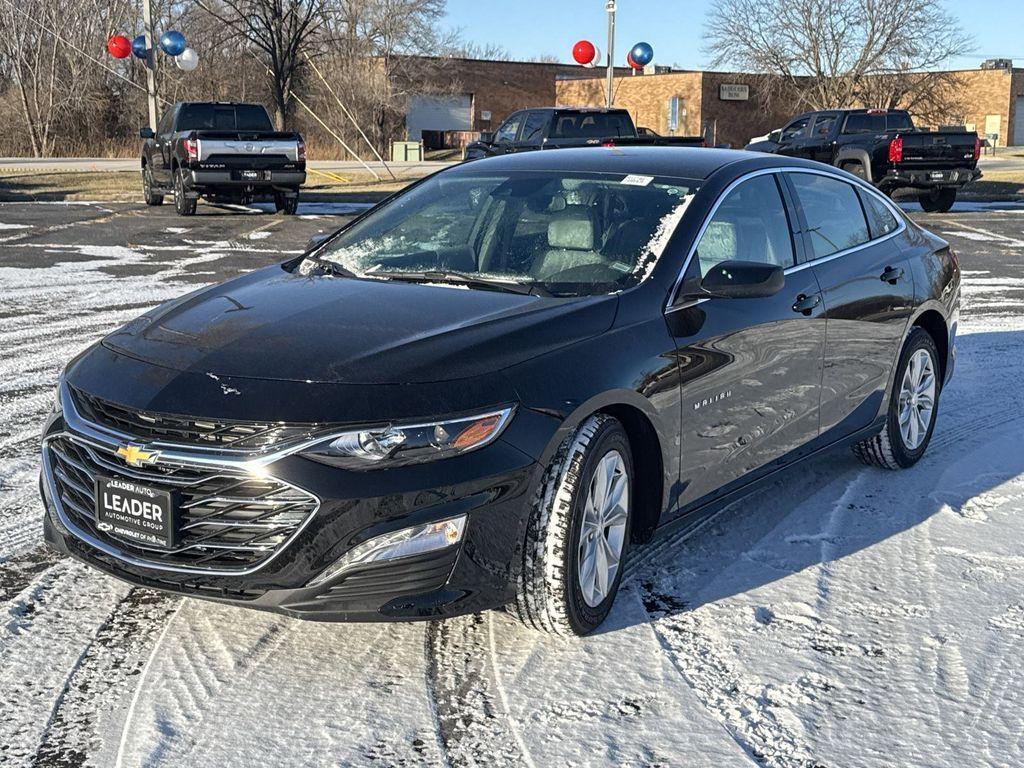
[224, 152]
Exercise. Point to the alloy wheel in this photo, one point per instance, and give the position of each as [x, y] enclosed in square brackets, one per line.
[917, 399]
[603, 528]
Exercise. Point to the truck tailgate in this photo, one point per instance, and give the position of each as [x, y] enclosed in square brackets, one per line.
[238, 149]
[938, 149]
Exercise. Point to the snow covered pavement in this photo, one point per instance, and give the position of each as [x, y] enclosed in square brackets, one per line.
[843, 616]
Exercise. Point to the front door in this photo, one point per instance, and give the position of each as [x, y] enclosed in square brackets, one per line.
[867, 289]
[750, 368]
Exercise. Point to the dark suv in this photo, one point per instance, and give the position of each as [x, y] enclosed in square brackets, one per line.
[483, 391]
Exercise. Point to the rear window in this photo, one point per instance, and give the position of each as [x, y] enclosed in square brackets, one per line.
[592, 125]
[223, 117]
[898, 121]
[862, 122]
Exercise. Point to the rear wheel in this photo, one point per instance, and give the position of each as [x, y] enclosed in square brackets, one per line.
[578, 534]
[913, 406]
[938, 200]
[286, 204]
[183, 205]
[151, 197]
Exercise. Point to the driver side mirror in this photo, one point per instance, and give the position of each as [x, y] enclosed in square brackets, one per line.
[487, 137]
[146, 133]
[738, 280]
[775, 136]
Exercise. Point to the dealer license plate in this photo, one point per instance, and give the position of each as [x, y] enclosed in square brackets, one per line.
[134, 512]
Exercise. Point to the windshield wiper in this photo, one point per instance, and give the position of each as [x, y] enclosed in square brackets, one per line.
[333, 267]
[468, 279]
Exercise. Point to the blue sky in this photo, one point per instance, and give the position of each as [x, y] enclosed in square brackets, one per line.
[529, 28]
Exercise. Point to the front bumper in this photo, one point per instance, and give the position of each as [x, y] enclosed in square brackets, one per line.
[493, 487]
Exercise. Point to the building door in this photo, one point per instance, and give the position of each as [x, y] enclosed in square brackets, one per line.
[1018, 123]
[439, 113]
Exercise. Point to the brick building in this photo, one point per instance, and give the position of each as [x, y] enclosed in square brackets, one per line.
[723, 106]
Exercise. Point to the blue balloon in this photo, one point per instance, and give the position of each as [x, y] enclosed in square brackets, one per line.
[642, 53]
[172, 43]
[139, 47]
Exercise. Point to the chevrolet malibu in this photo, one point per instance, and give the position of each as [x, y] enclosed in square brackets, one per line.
[486, 390]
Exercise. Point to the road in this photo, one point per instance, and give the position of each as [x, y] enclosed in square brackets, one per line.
[843, 616]
[98, 164]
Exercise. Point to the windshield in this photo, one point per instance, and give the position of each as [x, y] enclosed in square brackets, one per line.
[568, 234]
[223, 117]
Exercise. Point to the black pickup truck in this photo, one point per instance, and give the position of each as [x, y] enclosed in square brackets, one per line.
[558, 128]
[225, 152]
[883, 147]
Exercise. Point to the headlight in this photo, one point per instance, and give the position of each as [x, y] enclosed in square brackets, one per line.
[398, 444]
[56, 406]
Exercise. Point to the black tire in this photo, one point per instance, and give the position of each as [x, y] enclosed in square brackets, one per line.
[151, 197]
[857, 169]
[549, 595]
[938, 200]
[285, 204]
[183, 205]
[887, 449]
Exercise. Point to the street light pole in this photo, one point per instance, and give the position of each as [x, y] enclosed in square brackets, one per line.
[147, 19]
[610, 7]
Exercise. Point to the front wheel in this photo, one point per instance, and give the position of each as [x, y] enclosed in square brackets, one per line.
[578, 533]
[913, 406]
[185, 206]
[151, 197]
[937, 200]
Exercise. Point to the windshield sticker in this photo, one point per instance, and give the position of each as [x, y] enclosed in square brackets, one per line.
[637, 181]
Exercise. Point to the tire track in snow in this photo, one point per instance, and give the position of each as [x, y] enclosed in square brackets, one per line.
[17, 573]
[116, 654]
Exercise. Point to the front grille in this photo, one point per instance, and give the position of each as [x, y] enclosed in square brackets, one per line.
[225, 520]
[146, 426]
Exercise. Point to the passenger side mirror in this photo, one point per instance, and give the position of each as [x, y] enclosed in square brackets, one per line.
[147, 133]
[487, 137]
[775, 137]
[737, 280]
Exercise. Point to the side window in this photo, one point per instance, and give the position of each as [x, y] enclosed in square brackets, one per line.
[164, 126]
[881, 220]
[751, 224]
[509, 129]
[533, 130]
[835, 220]
[795, 130]
[823, 126]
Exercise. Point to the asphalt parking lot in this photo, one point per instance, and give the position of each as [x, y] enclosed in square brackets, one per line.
[846, 616]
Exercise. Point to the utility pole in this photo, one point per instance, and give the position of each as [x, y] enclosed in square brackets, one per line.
[151, 42]
[610, 7]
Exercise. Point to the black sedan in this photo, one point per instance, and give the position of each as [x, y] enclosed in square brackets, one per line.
[485, 390]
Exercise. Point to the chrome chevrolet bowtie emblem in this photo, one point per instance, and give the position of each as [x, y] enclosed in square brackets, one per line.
[136, 456]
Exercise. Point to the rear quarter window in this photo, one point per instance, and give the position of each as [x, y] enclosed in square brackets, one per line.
[881, 220]
[835, 219]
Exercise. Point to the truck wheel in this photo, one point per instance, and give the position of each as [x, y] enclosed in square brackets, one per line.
[182, 204]
[913, 406]
[285, 204]
[857, 169]
[938, 200]
[577, 537]
[151, 197]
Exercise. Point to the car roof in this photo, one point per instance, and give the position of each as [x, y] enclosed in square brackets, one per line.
[679, 162]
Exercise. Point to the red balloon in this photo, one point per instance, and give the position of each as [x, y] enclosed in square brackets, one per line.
[631, 62]
[119, 46]
[584, 52]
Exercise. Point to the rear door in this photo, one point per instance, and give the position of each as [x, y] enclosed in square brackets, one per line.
[750, 368]
[852, 241]
[534, 130]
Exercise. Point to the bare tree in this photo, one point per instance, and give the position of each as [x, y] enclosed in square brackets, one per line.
[839, 53]
[283, 31]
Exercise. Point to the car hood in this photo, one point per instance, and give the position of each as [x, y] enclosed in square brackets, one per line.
[278, 324]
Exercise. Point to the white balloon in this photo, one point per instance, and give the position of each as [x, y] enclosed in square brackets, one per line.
[597, 58]
[187, 60]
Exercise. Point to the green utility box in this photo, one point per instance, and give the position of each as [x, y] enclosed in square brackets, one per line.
[406, 151]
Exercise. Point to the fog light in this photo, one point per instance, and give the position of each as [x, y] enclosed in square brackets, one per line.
[407, 542]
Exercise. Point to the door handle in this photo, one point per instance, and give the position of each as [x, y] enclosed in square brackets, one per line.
[891, 275]
[806, 304]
